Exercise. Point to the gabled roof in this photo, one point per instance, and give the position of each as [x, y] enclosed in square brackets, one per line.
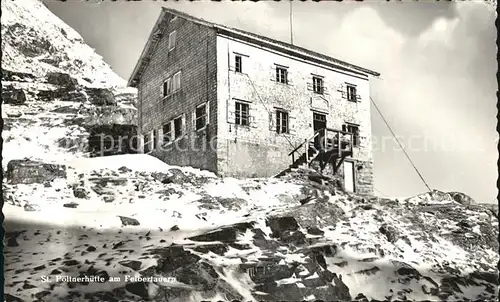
[252, 38]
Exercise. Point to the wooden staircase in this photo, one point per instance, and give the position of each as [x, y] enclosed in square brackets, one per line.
[325, 146]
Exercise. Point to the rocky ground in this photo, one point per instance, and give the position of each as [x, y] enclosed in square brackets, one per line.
[294, 238]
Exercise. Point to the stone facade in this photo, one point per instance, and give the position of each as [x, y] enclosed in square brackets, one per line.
[206, 57]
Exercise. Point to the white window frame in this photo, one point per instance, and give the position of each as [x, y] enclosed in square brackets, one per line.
[236, 56]
[279, 74]
[148, 141]
[169, 133]
[318, 82]
[240, 117]
[356, 139]
[183, 131]
[176, 82]
[172, 40]
[206, 115]
[282, 122]
[349, 96]
[169, 87]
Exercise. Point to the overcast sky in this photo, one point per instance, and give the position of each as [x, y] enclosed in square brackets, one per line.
[437, 62]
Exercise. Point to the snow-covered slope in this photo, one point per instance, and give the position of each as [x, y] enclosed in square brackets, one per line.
[36, 41]
[167, 233]
[55, 88]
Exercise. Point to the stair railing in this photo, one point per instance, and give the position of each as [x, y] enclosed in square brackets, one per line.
[306, 143]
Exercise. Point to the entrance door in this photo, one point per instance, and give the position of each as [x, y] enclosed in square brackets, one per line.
[319, 122]
[349, 176]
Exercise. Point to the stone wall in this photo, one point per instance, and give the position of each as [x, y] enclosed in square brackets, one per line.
[257, 150]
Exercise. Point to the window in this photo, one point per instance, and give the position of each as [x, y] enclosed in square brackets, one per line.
[242, 114]
[237, 63]
[172, 84]
[147, 143]
[167, 133]
[155, 139]
[178, 131]
[281, 121]
[318, 85]
[354, 130]
[176, 84]
[281, 75]
[173, 19]
[171, 40]
[201, 117]
[351, 93]
[167, 87]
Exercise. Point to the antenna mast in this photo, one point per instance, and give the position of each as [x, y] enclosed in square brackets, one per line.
[291, 24]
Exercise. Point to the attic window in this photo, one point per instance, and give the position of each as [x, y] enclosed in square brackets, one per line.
[237, 63]
[171, 40]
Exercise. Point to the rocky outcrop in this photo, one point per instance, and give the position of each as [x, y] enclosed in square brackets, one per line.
[61, 79]
[105, 140]
[13, 96]
[26, 171]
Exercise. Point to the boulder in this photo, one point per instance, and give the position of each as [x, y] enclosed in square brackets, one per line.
[9, 75]
[80, 192]
[100, 96]
[390, 232]
[13, 96]
[279, 225]
[222, 235]
[61, 79]
[25, 171]
[462, 198]
[128, 221]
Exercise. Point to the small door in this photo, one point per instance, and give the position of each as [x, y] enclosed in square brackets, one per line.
[349, 176]
[319, 122]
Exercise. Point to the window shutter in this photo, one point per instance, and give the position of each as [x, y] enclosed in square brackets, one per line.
[342, 89]
[292, 123]
[325, 89]
[207, 108]
[273, 73]
[272, 121]
[179, 80]
[231, 115]
[252, 114]
[183, 124]
[193, 120]
[159, 132]
[310, 86]
[289, 76]
[150, 142]
[165, 88]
